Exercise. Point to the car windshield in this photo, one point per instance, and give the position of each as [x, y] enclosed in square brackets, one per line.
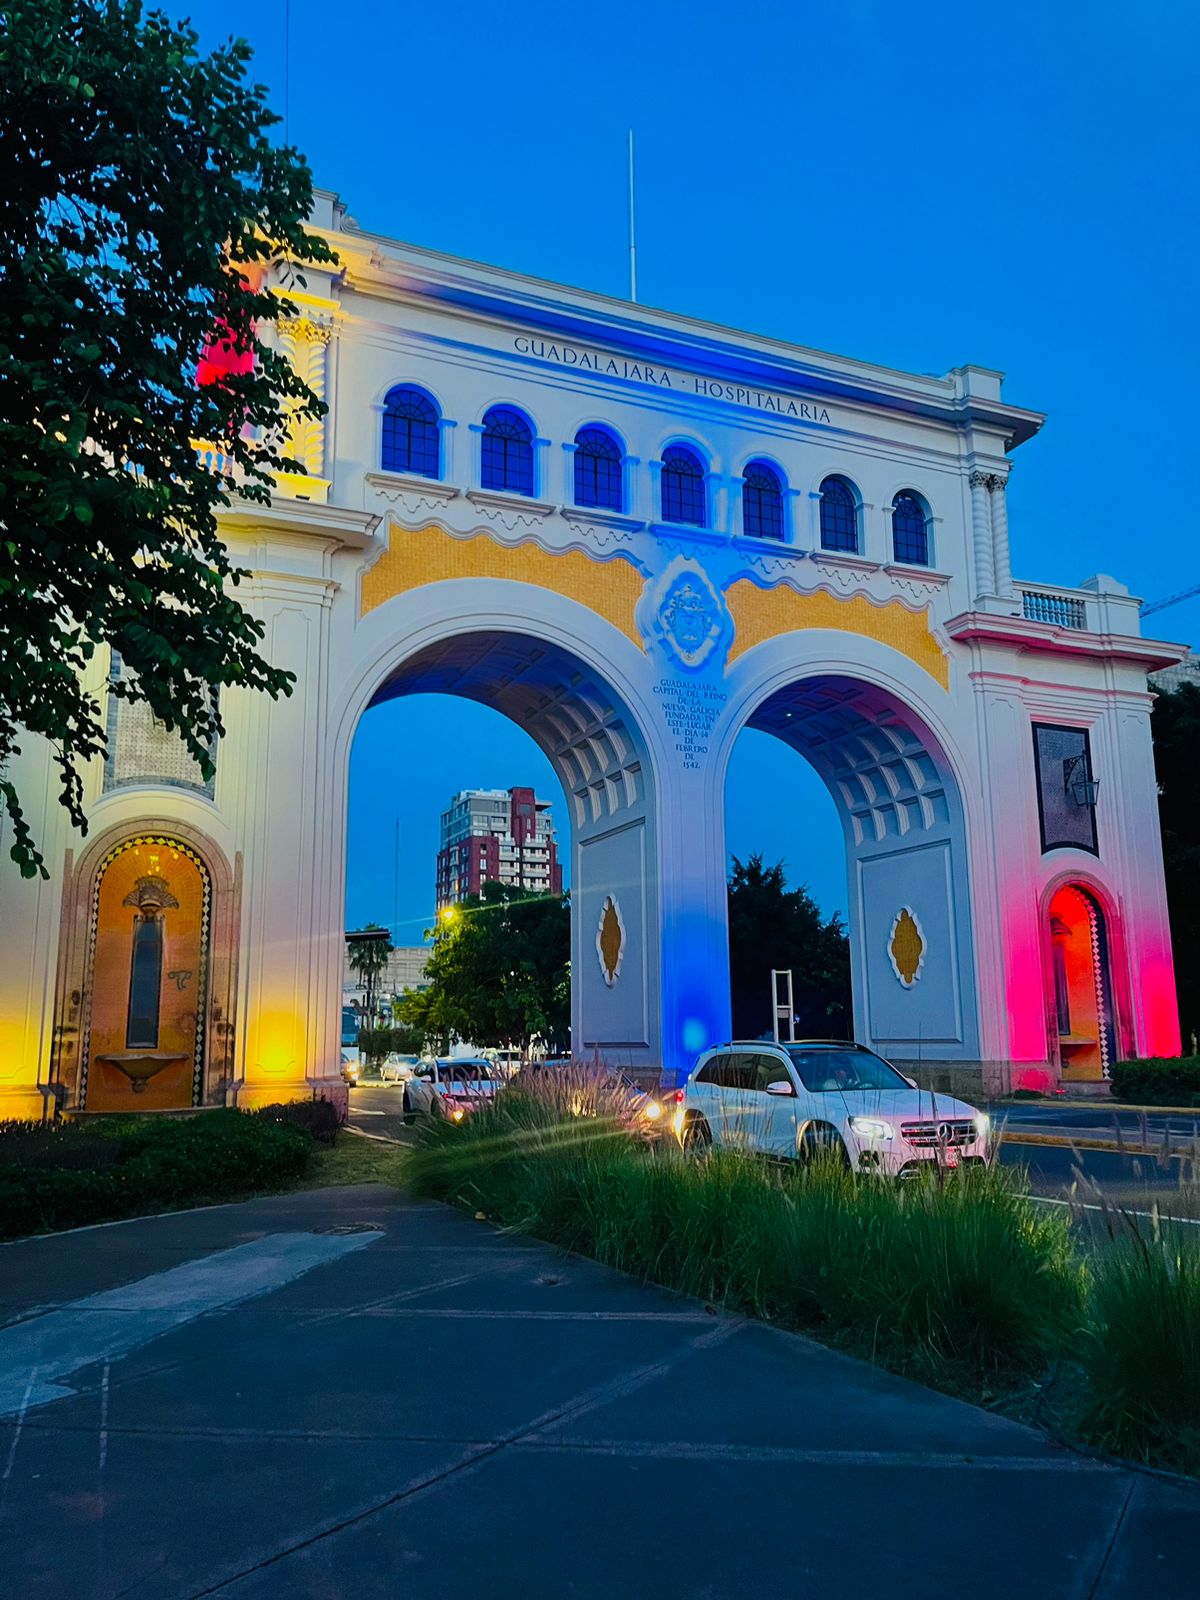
[466, 1072]
[824, 1069]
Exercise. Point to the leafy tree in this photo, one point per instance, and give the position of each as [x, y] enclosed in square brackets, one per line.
[1175, 724]
[499, 972]
[141, 205]
[375, 1043]
[772, 926]
[367, 952]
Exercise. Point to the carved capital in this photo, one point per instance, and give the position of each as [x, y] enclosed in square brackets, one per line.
[980, 480]
[997, 483]
[305, 331]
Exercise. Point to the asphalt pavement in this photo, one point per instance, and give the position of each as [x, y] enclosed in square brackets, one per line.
[344, 1395]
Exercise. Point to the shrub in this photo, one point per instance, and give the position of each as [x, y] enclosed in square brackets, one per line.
[1142, 1350]
[159, 1164]
[1158, 1080]
[318, 1118]
[375, 1043]
[957, 1281]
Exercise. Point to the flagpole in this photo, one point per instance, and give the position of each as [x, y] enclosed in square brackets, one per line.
[632, 239]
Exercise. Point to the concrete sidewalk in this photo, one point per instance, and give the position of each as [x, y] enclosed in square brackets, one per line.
[413, 1405]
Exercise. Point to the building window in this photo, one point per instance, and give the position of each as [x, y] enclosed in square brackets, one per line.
[910, 530]
[410, 433]
[683, 498]
[1065, 787]
[839, 516]
[507, 451]
[598, 470]
[762, 502]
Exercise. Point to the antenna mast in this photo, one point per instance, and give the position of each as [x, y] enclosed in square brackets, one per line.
[632, 239]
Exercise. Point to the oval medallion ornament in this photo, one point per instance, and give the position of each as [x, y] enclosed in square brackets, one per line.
[906, 947]
[610, 941]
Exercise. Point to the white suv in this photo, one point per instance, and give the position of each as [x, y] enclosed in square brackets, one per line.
[800, 1099]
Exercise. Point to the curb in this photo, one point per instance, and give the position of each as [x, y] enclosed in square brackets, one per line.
[1098, 1104]
[1064, 1142]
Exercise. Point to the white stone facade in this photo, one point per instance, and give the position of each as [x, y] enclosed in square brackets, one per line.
[635, 649]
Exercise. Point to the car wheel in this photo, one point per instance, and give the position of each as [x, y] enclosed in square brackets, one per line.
[406, 1111]
[823, 1143]
[697, 1136]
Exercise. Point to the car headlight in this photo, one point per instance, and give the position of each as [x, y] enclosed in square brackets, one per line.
[872, 1128]
[652, 1109]
[983, 1124]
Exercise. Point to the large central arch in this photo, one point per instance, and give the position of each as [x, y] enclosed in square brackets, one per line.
[899, 802]
[597, 746]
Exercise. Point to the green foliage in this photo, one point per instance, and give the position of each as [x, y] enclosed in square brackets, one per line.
[499, 972]
[375, 1043]
[1175, 724]
[317, 1118]
[367, 952]
[773, 926]
[1158, 1081]
[141, 201]
[83, 1173]
[1142, 1350]
[959, 1283]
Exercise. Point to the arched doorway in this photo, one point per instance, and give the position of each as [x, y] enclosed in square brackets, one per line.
[147, 978]
[596, 749]
[907, 871]
[1082, 1021]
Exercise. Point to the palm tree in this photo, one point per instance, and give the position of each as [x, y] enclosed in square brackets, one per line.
[367, 952]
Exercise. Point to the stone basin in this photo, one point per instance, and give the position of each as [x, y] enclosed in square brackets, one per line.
[139, 1066]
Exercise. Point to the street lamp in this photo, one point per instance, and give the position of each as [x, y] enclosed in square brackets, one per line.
[1079, 784]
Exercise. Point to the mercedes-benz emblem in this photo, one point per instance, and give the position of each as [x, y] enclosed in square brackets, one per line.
[945, 1133]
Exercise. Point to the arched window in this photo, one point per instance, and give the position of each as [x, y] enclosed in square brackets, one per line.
[410, 433]
[762, 501]
[910, 530]
[683, 498]
[598, 470]
[839, 516]
[507, 451]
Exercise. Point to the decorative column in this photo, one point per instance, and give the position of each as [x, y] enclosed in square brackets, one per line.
[981, 531]
[1004, 583]
[305, 342]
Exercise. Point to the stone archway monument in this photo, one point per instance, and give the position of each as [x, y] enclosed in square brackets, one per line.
[635, 535]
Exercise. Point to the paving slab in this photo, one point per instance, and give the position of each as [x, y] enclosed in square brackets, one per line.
[444, 1408]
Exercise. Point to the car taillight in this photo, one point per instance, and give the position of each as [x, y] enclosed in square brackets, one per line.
[678, 1097]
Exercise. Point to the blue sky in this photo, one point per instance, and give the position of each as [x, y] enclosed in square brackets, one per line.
[918, 184]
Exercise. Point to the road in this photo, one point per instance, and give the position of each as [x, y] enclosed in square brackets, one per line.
[1057, 1172]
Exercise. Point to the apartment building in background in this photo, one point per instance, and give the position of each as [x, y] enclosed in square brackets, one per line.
[496, 836]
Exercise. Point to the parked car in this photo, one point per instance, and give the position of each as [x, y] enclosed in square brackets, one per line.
[398, 1068]
[449, 1086]
[817, 1096]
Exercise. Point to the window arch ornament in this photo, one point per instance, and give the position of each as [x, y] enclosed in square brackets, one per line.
[910, 529]
[682, 487]
[411, 433]
[839, 515]
[599, 469]
[507, 445]
[762, 501]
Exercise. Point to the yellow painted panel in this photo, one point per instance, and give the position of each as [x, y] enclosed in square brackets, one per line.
[760, 614]
[610, 588]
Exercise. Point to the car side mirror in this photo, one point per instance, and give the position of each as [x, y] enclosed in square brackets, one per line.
[780, 1088]
[911, 1082]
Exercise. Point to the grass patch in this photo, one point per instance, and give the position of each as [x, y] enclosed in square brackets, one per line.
[1142, 1350]
[355, 1160]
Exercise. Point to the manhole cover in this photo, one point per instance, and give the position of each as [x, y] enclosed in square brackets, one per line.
[351, 1227]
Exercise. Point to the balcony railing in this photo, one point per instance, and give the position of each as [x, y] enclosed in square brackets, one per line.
[1064, 611]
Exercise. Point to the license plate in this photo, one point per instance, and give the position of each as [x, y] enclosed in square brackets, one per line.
[949, 1158]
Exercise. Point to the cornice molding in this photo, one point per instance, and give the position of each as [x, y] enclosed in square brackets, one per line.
[1038, 637]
